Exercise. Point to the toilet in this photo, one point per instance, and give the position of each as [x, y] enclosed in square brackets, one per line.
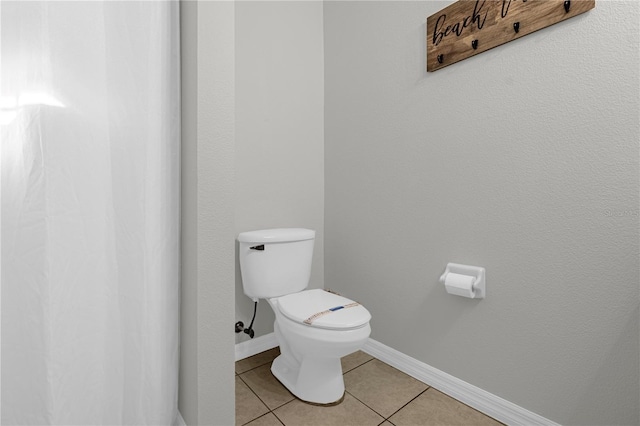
[314, 328]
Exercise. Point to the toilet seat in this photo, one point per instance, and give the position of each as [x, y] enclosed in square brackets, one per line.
[329, 310]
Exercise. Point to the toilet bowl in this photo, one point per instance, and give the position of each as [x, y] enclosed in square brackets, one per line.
[314, 328]
[309, 363]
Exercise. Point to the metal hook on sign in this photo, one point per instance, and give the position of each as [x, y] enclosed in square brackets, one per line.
[440, 58]
[474, 44]
[567, 6]
[516, 27]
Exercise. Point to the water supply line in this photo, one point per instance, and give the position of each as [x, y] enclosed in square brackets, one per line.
[248, 330]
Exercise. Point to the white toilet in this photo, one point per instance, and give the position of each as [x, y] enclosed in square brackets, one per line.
[314, 328]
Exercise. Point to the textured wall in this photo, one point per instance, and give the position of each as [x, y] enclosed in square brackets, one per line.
[188, 378]
[208, 267]
[524, 160]
[279, 130]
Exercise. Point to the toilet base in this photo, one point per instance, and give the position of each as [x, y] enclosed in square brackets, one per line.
[315, 380]
[309, 362]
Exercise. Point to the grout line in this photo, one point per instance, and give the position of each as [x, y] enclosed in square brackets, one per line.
[285, 388]
[412, 399]
[282, 405]
[257, 396]
[278, 418]
[381, 415]
[262, 415]
[356, 398]
[345, 390]
[253, 368]
[358, 366]
[257, 366]
[293, 397]
[466, 405]
[385, 418]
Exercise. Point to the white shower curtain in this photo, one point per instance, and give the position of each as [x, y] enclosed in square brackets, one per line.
[89, 115]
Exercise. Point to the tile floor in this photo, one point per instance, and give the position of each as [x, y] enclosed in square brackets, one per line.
[376, 394]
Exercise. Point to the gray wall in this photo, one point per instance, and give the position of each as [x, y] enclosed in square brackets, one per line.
[207, 312]
[524, 160]
[279, 155]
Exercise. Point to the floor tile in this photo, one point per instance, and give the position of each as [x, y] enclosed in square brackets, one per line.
[354, 360]
[248, 406]
[267, 420]
[435, 408]
[267, 387]
[257, 360]
[349, 412]
[382, 387]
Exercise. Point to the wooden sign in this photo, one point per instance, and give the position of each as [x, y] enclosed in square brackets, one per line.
[469, 27]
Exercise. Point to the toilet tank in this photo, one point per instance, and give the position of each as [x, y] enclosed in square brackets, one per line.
[275, 262]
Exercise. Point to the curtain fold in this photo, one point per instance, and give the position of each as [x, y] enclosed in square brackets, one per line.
[89, 115]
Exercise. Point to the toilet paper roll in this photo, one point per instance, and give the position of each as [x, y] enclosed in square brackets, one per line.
[460, 285]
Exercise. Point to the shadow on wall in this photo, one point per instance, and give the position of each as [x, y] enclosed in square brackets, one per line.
[626, 345]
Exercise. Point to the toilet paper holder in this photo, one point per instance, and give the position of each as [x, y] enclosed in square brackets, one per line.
[479, 285]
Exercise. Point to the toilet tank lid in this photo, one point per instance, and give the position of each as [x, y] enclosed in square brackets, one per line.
[276, 235]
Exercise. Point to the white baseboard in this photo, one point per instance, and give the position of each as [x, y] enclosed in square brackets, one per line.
[179, 420]
[255, 346]
[483, 401]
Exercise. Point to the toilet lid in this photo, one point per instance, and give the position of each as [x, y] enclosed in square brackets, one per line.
[321, 309]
